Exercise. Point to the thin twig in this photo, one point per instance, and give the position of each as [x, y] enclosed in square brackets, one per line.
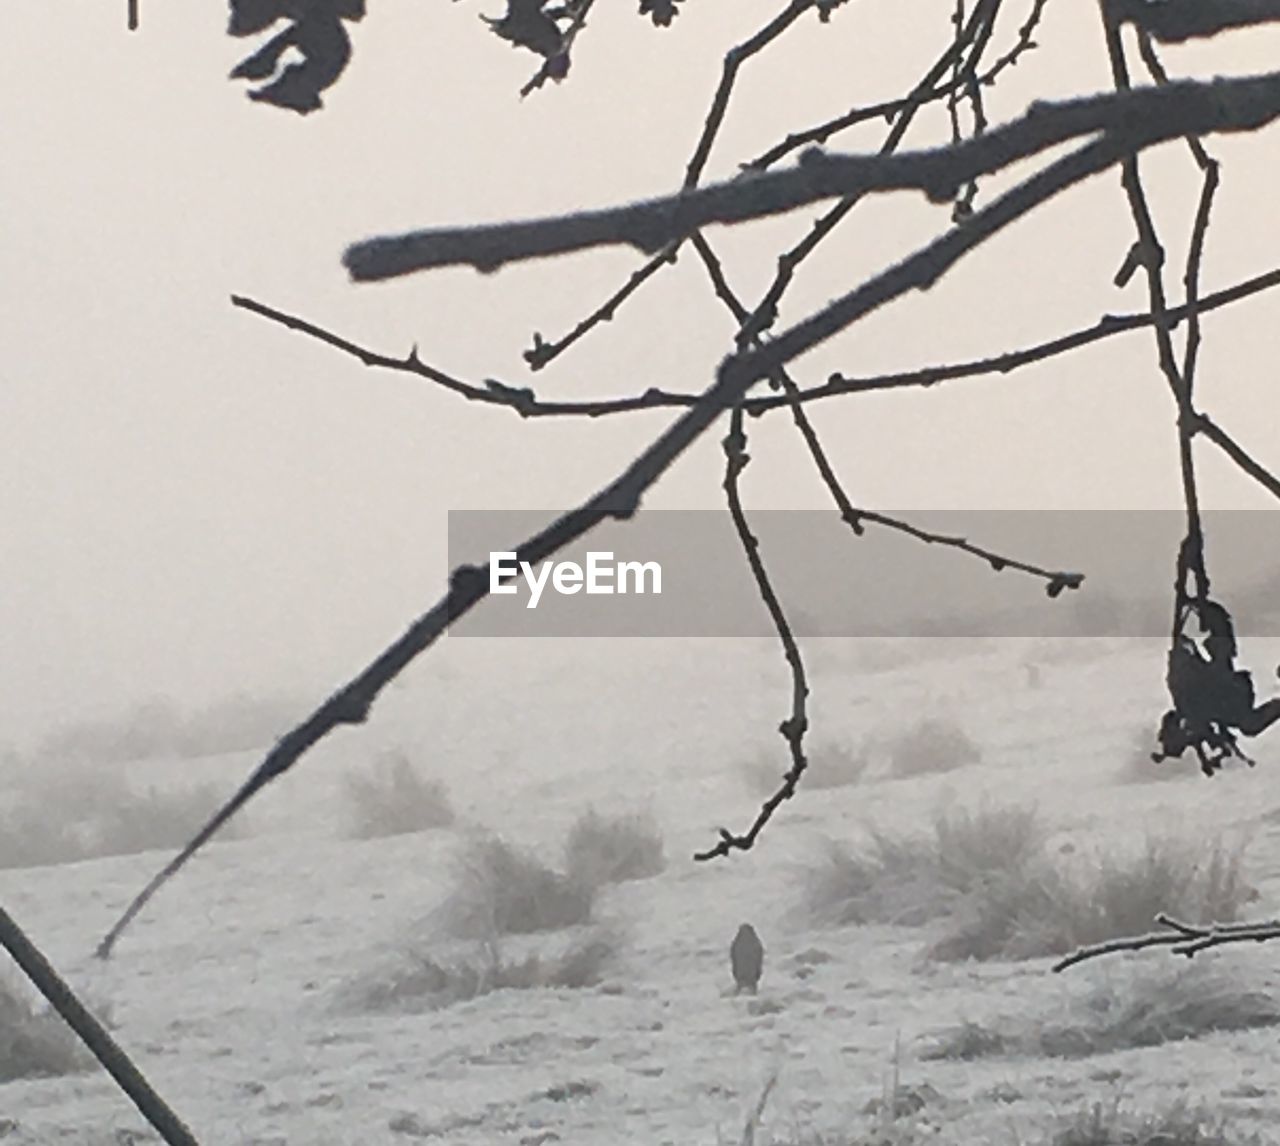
[888, 109]
[1185, 939]
[793, 728]
[541, 352]
[549, 66]
[524, 401]
[1229, 446]
[857, 518]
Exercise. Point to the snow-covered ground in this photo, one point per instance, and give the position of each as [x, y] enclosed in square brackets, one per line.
[226, 989]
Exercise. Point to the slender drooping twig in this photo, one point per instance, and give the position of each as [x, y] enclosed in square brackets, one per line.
[793, 728]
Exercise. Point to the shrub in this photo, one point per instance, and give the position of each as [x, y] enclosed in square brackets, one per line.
[1038, 909]
[35, 1042]
[395, 799]
[502, 890]
[157, 818]
[83, 813]
[910, 880]
[1147, 1009]
[1157, 1007]
[418, 981]
[934, 745]
[891, 881]
[612, 849]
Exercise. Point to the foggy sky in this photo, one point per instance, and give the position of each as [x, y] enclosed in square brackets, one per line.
[196, 502]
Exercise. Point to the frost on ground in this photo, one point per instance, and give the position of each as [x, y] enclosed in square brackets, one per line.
[507, 941]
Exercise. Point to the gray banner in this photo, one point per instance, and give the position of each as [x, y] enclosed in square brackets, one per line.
[669, 573]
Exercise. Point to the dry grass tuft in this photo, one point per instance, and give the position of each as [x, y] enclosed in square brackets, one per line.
[417, 981]
[936, 744]
[613, 849]
[911, 880]
[503, 890]
[395, 799]
[34, 1041]
[1037, 908]
[79, 813]
[1153, 1006]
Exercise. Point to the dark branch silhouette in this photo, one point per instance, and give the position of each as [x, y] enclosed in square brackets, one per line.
[1142, 117]
[1212, 700]
[621, 498]
[92, 1033]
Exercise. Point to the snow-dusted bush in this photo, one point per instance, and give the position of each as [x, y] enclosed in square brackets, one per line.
[1042, 908]
[889, 880]
[913, 879]
[34, 1041]
[936, 744]
[154, 818]
[417, 980]
[394, 799]
[611, 849]
[1158, 1004]
[80, 813]
[500, 889]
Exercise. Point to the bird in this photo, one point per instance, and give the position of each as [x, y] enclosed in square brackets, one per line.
[746, 955]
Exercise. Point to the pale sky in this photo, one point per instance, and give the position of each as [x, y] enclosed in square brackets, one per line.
[197, 502]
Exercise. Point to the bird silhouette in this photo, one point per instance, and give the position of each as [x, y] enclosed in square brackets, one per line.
[746, 955]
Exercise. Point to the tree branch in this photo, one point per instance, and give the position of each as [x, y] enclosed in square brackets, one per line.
[1186, 939]
[1150, 114]
[621, 498]
[92, 1033]
[1175, 21]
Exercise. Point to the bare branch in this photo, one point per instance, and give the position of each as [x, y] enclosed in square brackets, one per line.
[1149, 115]
[621, 498]
[525, 402]
[541, 353]
[733, 61]
[1229, 446]
[794, 727]
[1187, 939]
[888, 109]
[92, 1033]
[1174, 21]
[856, 518]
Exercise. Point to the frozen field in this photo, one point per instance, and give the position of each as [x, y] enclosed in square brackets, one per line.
[233, 988]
